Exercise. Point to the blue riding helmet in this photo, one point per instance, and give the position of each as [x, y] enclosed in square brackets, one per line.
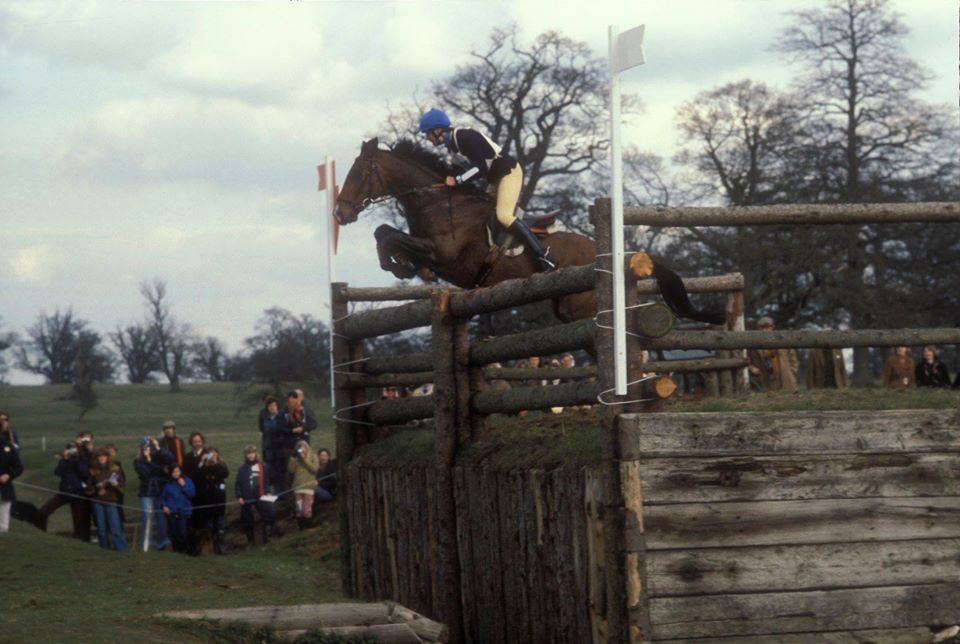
[433, 119]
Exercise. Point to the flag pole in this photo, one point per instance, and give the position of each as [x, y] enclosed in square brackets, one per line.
[331, 268]
[616, 224]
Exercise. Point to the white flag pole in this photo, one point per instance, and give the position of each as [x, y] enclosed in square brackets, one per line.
[331, 274]
[616, 224]
[626, 51]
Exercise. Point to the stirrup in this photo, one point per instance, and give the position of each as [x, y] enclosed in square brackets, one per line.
[546, 262]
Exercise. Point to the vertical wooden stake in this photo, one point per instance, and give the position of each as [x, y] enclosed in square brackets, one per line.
[461, 375]
[735, 322]
[445, 441]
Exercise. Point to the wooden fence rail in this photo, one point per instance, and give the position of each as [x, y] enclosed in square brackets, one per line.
[729, 340]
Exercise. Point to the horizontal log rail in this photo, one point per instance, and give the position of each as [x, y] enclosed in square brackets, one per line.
[794, 214]
[711, 284]
[414, 379]
[732, 340]
[541, 286]
[410, 363]
[541, 342]
[394, 293]
[400, 410]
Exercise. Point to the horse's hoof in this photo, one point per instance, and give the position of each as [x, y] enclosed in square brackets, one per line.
[426, 274]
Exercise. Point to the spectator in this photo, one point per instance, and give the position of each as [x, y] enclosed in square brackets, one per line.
[177, 507]
[773, 369]
[150, 464]
[112, 451]
[105, 481]
[173, 443]
[899, 371]
[212, 494]
[85, 445]
[250, 487]
[826, 369]
[191, 461]
[74, 474]
[10, 468]
[425, 389]
[270, 421]
[390, 393]
[303, 466]
[8, 435]
[294, 426]
[326, 489]
[931, 372]
[309, 422]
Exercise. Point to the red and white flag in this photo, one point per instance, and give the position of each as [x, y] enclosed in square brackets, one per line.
[331, 200]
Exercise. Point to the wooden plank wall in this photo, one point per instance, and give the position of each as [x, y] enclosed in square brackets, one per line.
[530, 545]
[762, 525]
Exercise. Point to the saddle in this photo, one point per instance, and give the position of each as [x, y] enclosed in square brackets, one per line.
[503, 242]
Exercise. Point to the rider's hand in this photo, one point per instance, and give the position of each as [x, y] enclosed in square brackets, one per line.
[450, 181]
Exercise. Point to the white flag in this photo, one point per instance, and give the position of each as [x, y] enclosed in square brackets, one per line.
[629, 49]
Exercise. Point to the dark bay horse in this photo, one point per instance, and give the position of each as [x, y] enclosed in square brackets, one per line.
[448, 230]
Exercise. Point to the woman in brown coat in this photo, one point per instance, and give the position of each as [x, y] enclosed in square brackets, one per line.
[898, 373]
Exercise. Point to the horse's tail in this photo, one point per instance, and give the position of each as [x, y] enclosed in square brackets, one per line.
[675, 296]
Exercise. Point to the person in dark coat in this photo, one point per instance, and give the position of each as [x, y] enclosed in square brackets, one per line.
[251, 485]
[211, 487]
[7, 433]
[931, 372]
[106, 479]
[10, 468]
[151, 466]
[74, 473]
[326, 490]
[271, 442]
[173, 443]
[295, 425]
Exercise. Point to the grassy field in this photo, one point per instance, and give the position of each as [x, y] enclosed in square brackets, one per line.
[56, 589]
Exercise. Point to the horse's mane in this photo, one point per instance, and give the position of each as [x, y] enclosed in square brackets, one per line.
[412, 150]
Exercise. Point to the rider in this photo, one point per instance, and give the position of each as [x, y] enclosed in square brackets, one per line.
[501, 171]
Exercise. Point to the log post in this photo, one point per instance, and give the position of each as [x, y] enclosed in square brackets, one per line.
[461, 376]
[478, 385]
[626, 619]
[445, 450]
[348, 434]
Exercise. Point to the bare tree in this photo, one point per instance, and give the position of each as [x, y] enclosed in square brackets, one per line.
[88, 362]
[545, 102]
[7, 341]
[872, 138]
[54, 345]
[139, 350]
[210, 359]
[173, 339]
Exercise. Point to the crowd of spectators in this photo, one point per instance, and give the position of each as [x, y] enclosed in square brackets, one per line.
[182, 488]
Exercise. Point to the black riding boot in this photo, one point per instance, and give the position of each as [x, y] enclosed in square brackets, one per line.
[544, 259]
[250, 539]
[218, 541]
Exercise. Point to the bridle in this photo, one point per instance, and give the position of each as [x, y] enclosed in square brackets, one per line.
[373, 175]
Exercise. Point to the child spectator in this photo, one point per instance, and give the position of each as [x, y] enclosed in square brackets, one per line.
[150, 464]
[173, 443]
[10, 468]
[105, 481]
[74, 473]
[212, 494]
[326, 489]
[898, 373]
[271, 442]
[177, 507]
[112, 451]
[931, 372]
[304, 467]
[250, 487]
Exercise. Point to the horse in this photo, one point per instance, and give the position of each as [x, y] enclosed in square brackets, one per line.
[448, 235]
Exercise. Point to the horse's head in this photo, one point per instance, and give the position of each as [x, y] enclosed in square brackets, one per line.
[363, 185]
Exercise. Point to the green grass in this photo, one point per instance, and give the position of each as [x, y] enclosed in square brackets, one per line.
[126, 413]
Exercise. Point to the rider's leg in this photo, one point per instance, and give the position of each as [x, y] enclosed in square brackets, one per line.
[508, 192]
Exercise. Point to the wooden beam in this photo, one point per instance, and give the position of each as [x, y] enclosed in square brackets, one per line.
[401, 410]
[546, 341]
[795, 432]
[771, 523]
[410, 363]
[388, 379]
[805, 612]
[710, 284]
[732, 340]
[794, 214]
[394, 293]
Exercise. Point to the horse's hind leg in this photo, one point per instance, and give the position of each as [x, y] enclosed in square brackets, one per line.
[578, 306]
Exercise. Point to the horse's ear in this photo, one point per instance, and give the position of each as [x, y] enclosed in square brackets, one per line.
[369, 147]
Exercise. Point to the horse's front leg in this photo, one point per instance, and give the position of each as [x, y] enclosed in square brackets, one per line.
[403, 255]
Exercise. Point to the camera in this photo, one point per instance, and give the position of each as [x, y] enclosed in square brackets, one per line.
[207, 456]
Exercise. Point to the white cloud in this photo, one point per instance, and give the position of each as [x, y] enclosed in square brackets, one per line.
[33, 264]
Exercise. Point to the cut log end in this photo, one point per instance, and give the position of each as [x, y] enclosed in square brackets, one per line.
[663, 387]
[641, 265]
[654, 320]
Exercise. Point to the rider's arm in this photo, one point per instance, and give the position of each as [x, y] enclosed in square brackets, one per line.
[474, 146]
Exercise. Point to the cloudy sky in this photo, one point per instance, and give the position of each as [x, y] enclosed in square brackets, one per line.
[179, 139]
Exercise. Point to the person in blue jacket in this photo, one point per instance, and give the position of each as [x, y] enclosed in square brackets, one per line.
[251, 485]
[150, 464]
[177, 507]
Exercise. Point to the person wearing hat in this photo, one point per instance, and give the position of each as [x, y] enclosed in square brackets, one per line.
[487, 161]
[251, 485]
[772, 369]
[172, 442]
